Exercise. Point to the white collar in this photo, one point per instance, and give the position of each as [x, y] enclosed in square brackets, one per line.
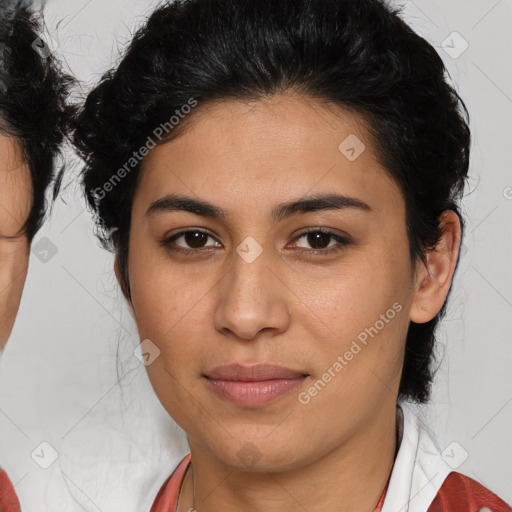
[419, 469]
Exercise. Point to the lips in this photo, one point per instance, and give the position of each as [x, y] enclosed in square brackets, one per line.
[255, 385]
[253, 373]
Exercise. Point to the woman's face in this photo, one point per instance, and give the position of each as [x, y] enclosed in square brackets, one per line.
[15, 203]
[250, 287]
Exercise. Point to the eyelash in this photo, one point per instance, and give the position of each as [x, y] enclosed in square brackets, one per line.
[342, 242]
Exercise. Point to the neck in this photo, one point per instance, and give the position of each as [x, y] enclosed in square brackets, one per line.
[350, 477]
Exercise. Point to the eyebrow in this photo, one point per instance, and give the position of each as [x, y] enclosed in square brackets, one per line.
[318, 202]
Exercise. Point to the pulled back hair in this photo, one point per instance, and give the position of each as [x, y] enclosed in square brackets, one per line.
[357, 54]
[33, 107]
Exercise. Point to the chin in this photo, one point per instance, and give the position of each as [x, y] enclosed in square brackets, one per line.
[269, 456]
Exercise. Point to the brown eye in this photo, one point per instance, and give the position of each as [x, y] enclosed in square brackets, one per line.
[195, 239]
[318, 239]
[321, 241]
[188, 241]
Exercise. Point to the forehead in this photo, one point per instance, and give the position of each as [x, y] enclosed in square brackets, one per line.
[288, 123]
[281, 146]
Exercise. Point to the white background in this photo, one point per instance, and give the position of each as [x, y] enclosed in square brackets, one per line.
[59, 382]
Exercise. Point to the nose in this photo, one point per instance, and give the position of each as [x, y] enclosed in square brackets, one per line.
[252, 298]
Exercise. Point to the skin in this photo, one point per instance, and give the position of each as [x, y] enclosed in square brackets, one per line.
[203, 310]
[15, 202]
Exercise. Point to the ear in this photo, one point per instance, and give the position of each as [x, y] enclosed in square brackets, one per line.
[122, 283]
[433, 281]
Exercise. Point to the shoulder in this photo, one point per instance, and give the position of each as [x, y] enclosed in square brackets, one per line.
[460, 493]
[8, 500]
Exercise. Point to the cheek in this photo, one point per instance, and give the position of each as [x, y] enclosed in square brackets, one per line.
[353, 296]
[168, 305]
[167, 311]
[358, 367]
[358, 320]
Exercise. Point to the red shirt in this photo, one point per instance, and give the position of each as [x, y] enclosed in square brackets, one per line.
[459, 493]
[8, 500]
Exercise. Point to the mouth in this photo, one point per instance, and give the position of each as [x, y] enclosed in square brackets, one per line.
[255, 385]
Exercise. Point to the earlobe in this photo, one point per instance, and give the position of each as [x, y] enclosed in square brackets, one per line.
[434, 279]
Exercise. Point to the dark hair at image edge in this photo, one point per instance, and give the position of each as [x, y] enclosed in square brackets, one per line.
[357, 54]
[33, 107]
